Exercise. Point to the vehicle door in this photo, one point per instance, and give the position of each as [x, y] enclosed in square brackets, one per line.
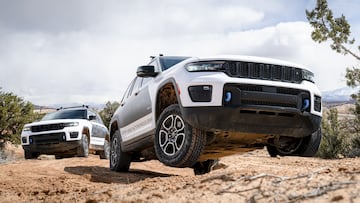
[135, 111]
[98, 131]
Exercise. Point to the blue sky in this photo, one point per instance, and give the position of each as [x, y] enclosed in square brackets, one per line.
[87, 51]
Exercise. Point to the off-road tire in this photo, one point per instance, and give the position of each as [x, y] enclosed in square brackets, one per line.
[308, 147]
[83, 149]
[31, 155]
[105, 154]
[119, 160]
[311, 144]
[177, 143]
[272, 151]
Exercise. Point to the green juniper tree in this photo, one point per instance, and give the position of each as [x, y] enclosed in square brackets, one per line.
[107, 113]
[337, 31]
[14, 114]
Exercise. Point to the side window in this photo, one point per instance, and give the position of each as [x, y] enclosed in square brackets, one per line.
[98, 119]
[128, 90]
[136, 86]
[155, 64]
[91, 115]
[145, 81]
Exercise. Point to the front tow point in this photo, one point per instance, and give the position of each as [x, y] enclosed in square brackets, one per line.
[228, 96]
[305, 104]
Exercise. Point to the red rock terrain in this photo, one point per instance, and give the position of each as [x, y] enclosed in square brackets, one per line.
[250, 177]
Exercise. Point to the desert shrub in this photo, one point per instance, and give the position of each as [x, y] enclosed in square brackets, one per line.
[353, 127]
[355, 147]
[107, 113]
[334, 143]
[14, 114]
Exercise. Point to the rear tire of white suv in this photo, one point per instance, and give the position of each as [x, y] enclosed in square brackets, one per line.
[105, 154]
[31, 155]
[177, 143]
[312, 144]
[119, 160]
[307, 147]
[83, 150]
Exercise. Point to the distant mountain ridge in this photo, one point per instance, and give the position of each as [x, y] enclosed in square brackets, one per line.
[54, 107]
[96, 106]
[339, 95]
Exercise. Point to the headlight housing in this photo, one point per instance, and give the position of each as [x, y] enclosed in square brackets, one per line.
[205, 66]
[71, 124]
[26, 128]
[308, 76]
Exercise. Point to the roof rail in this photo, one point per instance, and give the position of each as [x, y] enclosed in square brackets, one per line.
[152, 57]
[70, 107]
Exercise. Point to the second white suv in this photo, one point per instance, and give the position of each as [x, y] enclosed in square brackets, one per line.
[73, 131]
[189, 111]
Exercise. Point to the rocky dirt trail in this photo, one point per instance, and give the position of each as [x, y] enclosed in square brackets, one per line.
[251, 177]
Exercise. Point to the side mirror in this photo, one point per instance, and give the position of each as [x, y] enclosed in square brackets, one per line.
[146, 71]
[91, 118]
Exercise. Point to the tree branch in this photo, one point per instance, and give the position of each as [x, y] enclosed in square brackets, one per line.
[350, 52]
[323, 189]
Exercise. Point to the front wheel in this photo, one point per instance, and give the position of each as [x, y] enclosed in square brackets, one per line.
[177, 143]
[83, 149]
[119, 160]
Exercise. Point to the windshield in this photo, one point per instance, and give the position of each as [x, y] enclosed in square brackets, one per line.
[167, 62]
[66, 114]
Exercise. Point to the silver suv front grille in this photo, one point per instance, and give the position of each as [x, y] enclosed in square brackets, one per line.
[49, 127]
[263, 71]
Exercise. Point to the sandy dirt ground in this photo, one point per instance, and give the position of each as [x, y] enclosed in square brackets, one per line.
[250, 177]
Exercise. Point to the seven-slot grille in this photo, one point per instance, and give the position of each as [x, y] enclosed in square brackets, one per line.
[41, 128]
[263, 71]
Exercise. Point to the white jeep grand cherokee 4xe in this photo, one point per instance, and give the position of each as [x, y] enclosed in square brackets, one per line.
[189, 111]
[67, 132]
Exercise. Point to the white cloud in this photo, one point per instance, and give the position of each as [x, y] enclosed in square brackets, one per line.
[94, 58]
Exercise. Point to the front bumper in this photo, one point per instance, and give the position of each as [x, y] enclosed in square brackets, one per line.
[50, 143]
[253, 119]
[53, 148]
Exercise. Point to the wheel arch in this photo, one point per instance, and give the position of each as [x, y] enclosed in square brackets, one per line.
[113, 128]
[167, 94]
[86, 131]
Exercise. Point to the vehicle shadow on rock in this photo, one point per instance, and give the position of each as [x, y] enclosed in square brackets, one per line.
[105, 175]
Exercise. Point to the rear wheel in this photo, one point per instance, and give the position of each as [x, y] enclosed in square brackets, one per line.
[105, 154]
[306, 147]
[177, 143]
[311, 144]
[119, 160]
[83, 149]
[31, 155]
